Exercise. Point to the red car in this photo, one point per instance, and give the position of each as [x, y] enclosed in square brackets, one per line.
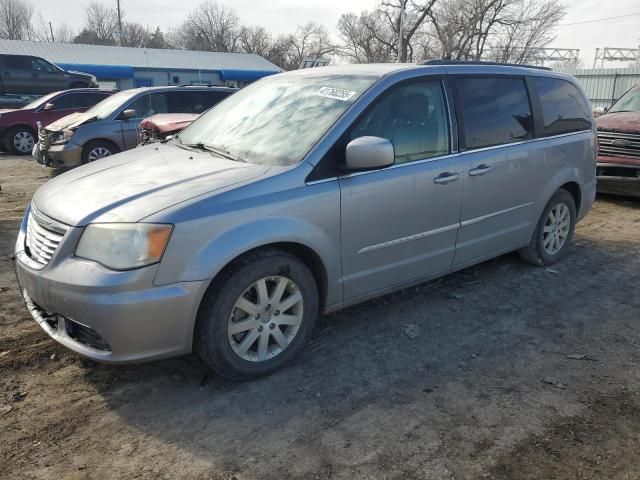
[618, 169]
[158, 127]
[18, 128]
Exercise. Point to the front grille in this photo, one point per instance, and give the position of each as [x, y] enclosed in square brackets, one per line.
[43, 237]
[44, 139]
[617, 144]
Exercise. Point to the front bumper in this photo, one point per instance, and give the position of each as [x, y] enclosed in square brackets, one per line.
[108, 316]
[66, 155]
[619, 178]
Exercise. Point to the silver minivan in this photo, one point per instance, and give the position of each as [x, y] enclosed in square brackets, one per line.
[304, 193]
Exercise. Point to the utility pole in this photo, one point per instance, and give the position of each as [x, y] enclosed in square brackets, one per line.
[51, 30]
[120, 36]
[403, 3]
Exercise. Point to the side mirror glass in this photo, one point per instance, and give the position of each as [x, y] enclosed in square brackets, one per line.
[129, 113]
[366, 153]
[49, 106]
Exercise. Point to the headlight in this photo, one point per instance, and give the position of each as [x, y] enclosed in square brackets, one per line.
[123, 246]
[62, 137]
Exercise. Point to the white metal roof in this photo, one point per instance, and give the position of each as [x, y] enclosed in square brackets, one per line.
[71, 53]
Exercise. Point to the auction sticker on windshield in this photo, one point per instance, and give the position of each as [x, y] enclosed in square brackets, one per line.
[336, 93]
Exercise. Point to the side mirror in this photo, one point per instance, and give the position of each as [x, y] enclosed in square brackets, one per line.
[365, 153]
[49, 106]
[129, 113]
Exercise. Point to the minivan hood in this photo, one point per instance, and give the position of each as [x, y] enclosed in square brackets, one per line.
[627, 122]
[70, 121]
[137, 183]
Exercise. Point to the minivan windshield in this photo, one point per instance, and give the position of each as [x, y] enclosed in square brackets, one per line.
[629, 102]
[110, 104]
[276, 120]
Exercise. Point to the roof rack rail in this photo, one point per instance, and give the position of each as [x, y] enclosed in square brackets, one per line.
[478, 62]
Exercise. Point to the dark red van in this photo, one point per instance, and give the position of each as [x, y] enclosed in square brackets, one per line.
[618, 168]
[18, 128]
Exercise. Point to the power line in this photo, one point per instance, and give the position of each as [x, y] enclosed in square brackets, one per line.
[600, 19]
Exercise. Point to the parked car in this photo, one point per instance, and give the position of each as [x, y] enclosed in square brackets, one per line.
[304, 193]
[112, 125]
[34, 75]
[618, 169]
[18, 128]
[159, 127]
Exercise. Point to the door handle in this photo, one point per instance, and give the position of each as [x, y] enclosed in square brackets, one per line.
[479, 170]
[446, 177]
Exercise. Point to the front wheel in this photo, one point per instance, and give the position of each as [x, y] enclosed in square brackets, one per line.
[257, 316]
[553, 232]
[20, 140]
[97, 149]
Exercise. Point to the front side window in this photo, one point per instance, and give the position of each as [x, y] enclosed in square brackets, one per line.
[69, 100]
[277, 120]
[629, 102]
[39, 65]
[564, 109]
[147, 105]
[413, 117]
[495, 111]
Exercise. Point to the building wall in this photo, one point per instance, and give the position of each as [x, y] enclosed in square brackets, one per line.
[142, 77]
[605, 85]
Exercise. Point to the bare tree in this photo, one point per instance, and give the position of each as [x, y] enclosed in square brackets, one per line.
[41, 31]
[406, 18]
[211, 27]
[530, 27]
[135, 35]
[15, 19]
[366, 38]
[100, 25]
[310, 40]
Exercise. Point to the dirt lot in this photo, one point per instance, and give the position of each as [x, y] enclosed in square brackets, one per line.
[515, 372]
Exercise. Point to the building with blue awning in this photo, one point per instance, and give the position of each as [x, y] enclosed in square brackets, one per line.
[125, 67]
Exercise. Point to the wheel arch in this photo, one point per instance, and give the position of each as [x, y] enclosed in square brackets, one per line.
[574, 189]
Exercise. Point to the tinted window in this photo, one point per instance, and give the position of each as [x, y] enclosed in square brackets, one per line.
[77, 100]
[16, 62]
[495, 111]
[40, 65]
[194, 102]
[413, 117]
[564, 109]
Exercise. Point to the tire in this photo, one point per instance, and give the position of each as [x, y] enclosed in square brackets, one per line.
[20, 140]
[97, 149]
[222, 349]
[79, 85]
[548, 247]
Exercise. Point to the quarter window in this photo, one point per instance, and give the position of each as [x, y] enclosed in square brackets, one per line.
[413, 118]
[495, 111]
[564, 109]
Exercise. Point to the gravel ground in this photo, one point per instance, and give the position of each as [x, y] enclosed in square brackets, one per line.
[502, 371]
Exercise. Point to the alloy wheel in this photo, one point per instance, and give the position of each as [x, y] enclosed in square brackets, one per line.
[556, 229]
[98, 152]
[23, 142]
[265, 319]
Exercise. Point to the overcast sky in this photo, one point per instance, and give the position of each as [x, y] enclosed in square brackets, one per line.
[282, 16]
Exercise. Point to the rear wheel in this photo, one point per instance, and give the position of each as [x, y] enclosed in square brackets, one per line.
[553, 232]
[257, 316]
[98, 149]
[20, 140]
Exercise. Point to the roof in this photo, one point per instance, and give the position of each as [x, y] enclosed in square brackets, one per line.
[153, 58]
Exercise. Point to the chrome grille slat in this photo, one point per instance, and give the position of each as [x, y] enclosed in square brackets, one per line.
[41, 242]
[619, 144]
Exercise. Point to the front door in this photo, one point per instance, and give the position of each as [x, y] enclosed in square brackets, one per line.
[46, 77]
[400, 223]
[502, 172]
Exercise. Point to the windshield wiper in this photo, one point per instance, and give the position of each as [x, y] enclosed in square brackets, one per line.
[218, 151]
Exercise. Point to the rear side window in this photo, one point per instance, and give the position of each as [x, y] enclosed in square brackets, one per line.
[564, 109]
[16, 62]
[194, 102]
[495, 111]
